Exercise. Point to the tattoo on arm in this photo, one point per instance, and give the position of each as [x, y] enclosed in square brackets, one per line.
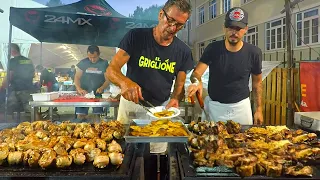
[257, 93]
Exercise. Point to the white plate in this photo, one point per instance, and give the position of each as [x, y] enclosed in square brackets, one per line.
[161, 108]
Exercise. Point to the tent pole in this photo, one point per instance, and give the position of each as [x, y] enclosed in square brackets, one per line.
[8, 75]
[40, 53]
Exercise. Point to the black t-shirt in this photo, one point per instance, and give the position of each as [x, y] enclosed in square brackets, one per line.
[152, 66]
[47, 76]
[71, 74]
[93, 74]
[23, 73]
[229, 72]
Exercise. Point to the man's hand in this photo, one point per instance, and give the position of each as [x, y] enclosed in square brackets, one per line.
[82, 92]
[193, 88]
[100, 90]
[258, 118]
[173, 103]
[131, 91]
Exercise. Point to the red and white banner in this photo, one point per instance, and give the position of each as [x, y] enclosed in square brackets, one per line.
[310, 86]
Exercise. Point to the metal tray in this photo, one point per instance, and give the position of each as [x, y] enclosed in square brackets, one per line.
[147, 139]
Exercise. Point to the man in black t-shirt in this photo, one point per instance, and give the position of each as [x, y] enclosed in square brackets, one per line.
[231, 62]
[89, 78]
[154, 57]
[21, 72]
[72, 72]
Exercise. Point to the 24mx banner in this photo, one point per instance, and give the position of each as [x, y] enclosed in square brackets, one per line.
[310, 86]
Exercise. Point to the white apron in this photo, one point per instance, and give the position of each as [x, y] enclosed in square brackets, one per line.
[238, 112]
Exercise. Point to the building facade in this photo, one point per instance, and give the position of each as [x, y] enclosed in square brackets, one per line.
[267, 27]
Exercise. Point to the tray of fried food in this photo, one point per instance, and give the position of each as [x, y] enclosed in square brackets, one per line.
[143, 131]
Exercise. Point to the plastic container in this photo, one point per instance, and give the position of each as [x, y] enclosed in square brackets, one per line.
[45, 96]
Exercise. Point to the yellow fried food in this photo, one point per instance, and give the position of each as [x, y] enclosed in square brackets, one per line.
[164, 113]
[160, 128]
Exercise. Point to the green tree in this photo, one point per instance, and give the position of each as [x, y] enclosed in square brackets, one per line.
[150, 13]
[52, 3]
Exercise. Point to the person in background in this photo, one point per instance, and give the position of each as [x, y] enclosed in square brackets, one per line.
[47, 79]
[21, 73]
[231, 62]
[89, 78]
[72, 72]
[154, 57]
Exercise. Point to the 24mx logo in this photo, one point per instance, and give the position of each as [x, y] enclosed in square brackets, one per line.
[66, 20]
[132, 25]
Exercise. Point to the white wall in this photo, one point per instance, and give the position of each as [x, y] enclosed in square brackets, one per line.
[18, 36]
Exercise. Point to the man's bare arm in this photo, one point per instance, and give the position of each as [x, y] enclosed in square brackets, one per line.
[113, 72]
[257, 91]
[179, 85]
[196, 79]
[77, 78]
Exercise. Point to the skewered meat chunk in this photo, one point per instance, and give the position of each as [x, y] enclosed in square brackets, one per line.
[15, 157]
[102, 160]
[63, 161]
[299, 170]
[47, 158]
[274, 170]
[233, 127]
[246, 170]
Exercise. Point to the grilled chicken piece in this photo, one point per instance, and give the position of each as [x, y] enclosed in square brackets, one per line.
[92, 154]
[299, 171]
[4, 151]
[78, 156]
[67, 141]
[303, 153]
[116, 158]
[31, 157]
[60, 149]
[80, 143]
[47, 158]
[107, 135]
[114, 147]
[101, 160]
[15, 157]
[101, 144]
[63, 161]
[90, 145]
[89, 133]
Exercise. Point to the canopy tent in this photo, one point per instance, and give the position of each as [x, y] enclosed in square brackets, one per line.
[84, 22]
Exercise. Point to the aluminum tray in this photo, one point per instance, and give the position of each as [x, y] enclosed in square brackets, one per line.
[147, 139]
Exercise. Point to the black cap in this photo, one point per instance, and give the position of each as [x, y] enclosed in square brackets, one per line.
[236, 17]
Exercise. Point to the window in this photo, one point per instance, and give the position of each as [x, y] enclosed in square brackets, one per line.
[201, 49]
[252, 36]
[226, 5]
[308, 27]
[212, 9]
[245, 1]
[276, 34]
[201, 15]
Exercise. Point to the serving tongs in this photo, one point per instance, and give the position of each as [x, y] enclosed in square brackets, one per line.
[147, 109]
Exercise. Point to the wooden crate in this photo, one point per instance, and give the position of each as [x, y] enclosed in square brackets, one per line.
[274, 97]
